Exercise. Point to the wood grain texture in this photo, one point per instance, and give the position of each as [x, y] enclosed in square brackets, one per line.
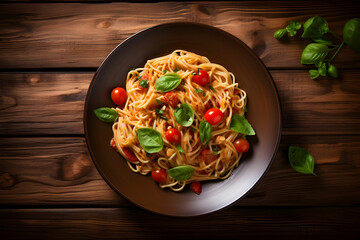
[52, 103]
[58, 171]
[128, 223]
[77, 35]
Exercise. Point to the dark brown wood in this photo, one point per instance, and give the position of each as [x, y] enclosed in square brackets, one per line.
[50, 103]
[58, 171]
[76, 35]
[129, 223]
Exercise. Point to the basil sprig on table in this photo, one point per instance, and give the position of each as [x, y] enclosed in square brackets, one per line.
[150, 140]
[181, 173]
[301, 160]
[205, 130]
[314, 53]
[167, 82]
[315, 27]
[241, 125]
[106, 114]
[184, 115]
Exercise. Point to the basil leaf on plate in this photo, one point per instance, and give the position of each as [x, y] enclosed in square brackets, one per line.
[184, 115]
[150, 140]
[181, 173]
[205, 130]
[106, 114]
[241, 125]
[167, 82]
[315, 27]
[301, 160]
[314, 53]
[179, 148]
[144, 83]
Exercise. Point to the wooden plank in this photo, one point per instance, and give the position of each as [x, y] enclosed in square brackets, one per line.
[58, 171]
[128, 223]
[52, 103]
[81, 35]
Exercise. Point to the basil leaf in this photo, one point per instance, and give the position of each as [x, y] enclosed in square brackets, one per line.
[106, 114]
[315, 27]
[164, 71]
[158, 101]
[198, 90]
[179, 148]
[332, 71]
[324, 40]
[212, 89]
[241, 125]
[205, 130]
[144, 83]
[301, 160]
[159, 111]
[181, 173]
[162, 117]
[167, 82]
[313, 73]
[214, 150]
[322, 69]
[150, 140]
[184, 115]
[314, 53]
[279, 33]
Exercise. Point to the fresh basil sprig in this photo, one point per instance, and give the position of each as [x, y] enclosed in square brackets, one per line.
[205, 130]
[291, 29]
[181, 173]
[167, 82]
[241, 125]
[314, 53]
[150, 140]
[315, 27]
[301, 160]
[106, 114]
[184, 115]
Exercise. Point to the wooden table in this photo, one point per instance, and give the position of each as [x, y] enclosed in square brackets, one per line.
[49, 187]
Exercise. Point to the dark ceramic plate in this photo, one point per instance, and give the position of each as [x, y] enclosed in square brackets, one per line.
[263, 113]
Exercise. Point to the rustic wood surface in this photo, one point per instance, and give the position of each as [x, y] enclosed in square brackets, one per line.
[49, 187]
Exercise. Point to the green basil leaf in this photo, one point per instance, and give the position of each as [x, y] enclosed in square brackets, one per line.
[184, 115]
[214, 150]
[315, 27]
[211, 88]
[351, 34]
[150, 140]
[301, 160]
[241, 125]
[314, 53]
[205, 130]
[179, 148]
[322, 69]
[144, 83]
[291, 29]
[106, 114]
[324, 40]
[332, 71]
[162, 117]
[198, 90]
[159, 111]
[167, 82]
[164, 71]
[313, 73]
[181, 173]
[297, 25]
[158, 101]
[279, 33]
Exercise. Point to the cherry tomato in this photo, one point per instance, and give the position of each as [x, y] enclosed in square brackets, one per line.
[241, 145]
[159, 175]
[202, 78]
[130, 155]
[118, 96]
[173, 135]
[171, 98]
[112, 143]
[213, 116]
[209, 157]
[196, 187]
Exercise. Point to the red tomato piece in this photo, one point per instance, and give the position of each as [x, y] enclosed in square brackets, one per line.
[112, 143]
[145, 76]
[201, 78]
[118, 96]
[173, 135]
[209, 157]
[172, 99]
[130, 155]
[159, 175]
[196, 187]
[241, 145]
[213, 116]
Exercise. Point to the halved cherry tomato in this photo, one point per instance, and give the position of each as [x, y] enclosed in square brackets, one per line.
[145, 76]
[202, 78]
[130, 155]
[112, 143]
[171, 98]
[173, 135]
[118, 96]
[213, 116]
[159, 175]
[209, 157]
[196, 187]
[241, 145]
